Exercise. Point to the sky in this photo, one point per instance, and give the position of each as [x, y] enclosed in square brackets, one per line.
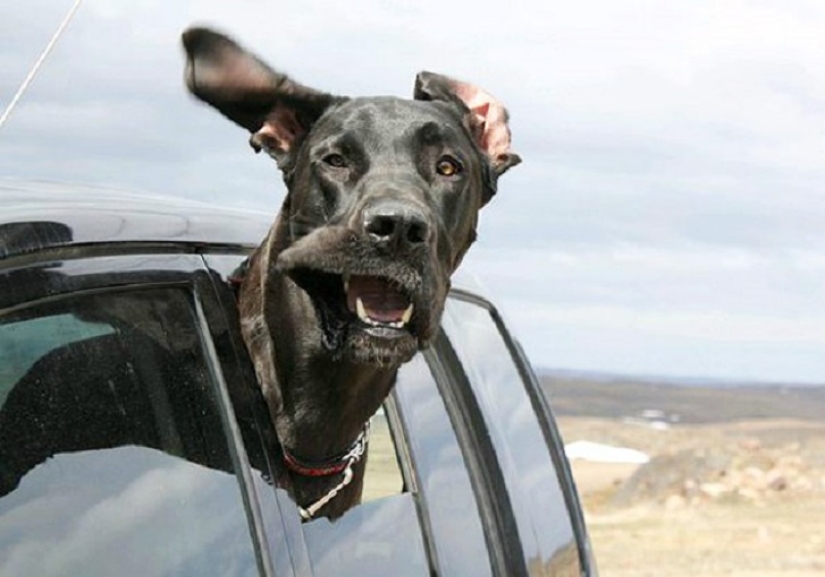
[669, 215]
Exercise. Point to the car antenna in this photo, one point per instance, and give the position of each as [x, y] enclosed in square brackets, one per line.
[38, 63]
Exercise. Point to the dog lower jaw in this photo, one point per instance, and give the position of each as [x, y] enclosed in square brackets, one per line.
[362, 348]
[346, 338]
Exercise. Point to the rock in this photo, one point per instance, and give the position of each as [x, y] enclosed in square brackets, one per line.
[742, 469]
[674, 502]
[751, 445]
[715, 490]
[776, 480]
[749, 493]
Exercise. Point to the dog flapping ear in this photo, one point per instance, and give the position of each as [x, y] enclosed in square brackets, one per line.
[486, 117]
[277, 110]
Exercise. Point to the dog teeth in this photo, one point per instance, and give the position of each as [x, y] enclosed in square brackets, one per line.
[361, 311]
[346, 283]
[405, 318]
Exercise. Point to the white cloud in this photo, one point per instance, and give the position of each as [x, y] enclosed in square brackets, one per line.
[672, 151]
[706, 325]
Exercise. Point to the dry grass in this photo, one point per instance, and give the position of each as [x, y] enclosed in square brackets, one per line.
[781, 538]
[780, 533]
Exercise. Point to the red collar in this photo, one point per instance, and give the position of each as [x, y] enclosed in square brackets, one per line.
[332, 465]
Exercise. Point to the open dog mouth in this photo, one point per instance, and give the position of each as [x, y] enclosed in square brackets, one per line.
[362, 310]
[376, 302]
[372, 307]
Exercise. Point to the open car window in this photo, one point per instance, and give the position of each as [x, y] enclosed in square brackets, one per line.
[113, 455]
[433, 526]
[386, 531]
[542, 514]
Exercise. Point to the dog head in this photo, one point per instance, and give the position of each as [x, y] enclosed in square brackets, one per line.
[383, 193]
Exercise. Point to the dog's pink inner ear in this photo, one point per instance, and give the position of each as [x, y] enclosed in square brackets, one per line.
[488, 120]
[279, 132]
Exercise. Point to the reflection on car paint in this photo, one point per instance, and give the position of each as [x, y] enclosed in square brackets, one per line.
[124, 511]
[112, 435]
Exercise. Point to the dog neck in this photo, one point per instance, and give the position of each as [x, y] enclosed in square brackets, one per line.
[319, 404]
[325, 403]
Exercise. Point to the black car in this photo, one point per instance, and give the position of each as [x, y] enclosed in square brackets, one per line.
[135, 441]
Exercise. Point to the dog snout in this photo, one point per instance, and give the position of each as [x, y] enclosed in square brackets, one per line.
[398, 224]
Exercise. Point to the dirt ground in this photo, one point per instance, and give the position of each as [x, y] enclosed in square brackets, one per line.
[742, 499]
[739, 499]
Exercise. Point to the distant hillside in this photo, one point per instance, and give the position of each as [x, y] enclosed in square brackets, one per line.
[617, 397]
[715, 383]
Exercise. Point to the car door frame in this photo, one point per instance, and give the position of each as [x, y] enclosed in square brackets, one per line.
[62, 272]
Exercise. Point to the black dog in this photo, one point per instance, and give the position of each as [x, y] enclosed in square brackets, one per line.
[382, 203]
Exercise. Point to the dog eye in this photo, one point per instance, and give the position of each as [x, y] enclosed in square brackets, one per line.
[447, 166]
[335, 160]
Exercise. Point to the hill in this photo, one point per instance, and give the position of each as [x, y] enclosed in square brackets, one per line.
[626, 397]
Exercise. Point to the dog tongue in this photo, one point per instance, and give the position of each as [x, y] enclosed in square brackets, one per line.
[382, 302]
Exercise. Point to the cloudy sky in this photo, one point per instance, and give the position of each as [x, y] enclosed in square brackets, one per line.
[669, 216]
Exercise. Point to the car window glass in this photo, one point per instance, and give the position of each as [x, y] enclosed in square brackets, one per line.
[543, 520]
[113, 458]
[385, 532]
[21, 344]
[442, 479]
[374, 539]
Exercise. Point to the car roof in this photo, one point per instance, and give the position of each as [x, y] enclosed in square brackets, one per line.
[36, 215]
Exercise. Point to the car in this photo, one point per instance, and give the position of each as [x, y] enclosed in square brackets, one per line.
[134, 439]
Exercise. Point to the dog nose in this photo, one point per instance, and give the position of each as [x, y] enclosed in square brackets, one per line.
[396, 223]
